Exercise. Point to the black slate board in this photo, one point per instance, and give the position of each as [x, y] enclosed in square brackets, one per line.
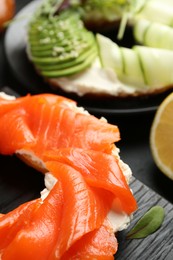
[20, 183]
[157, 246]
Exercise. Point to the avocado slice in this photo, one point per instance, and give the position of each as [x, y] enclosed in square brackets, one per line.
[60, 45]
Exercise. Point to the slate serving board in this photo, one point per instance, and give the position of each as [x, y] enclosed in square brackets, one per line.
[159, 245]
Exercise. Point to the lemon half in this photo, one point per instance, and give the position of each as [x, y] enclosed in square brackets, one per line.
[161, 137]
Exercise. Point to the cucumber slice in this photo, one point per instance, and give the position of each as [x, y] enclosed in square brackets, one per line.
[153, 34]
[133, 74]
[110, 54]
[137, 67]
[166, 2]
[123, 61]
[159, 36]
[157, 65]
[157, 11]
[139, 29]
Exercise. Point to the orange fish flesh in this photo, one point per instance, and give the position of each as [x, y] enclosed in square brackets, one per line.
[78, 149]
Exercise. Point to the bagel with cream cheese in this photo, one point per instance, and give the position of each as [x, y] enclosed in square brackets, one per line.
[69, 45]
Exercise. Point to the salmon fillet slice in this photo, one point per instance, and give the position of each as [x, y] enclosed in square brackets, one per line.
[64, 219]
[44, 122]
[100, 170]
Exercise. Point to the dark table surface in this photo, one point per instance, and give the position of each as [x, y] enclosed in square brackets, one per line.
[134, 149]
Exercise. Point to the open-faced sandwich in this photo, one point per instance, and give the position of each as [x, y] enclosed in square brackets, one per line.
[72, 46]
[87, 199]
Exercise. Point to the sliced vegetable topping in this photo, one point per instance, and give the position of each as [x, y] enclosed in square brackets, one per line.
[157, 11]
[59, 45]
[140, 67]
[153, 34]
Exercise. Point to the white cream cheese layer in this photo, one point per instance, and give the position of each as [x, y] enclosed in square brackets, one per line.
[96, 80]
[7, 97]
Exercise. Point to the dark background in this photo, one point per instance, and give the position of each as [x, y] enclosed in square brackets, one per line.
[134, 144]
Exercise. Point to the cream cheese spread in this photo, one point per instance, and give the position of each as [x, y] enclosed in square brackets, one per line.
[96, 80]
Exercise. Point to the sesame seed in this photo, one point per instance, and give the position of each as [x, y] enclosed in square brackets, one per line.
[74, 54]
[60, 35]
[45, 40]
[58, 49]
[40, 28]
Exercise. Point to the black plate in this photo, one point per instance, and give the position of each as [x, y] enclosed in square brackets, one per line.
[23, 70]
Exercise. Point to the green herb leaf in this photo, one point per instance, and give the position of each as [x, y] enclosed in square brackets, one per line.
[148, 224]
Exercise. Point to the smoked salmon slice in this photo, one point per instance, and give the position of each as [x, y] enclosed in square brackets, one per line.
[70, 214]
[84, 208]
[13, 221]
[100, 244]
[43, 122]
[36, 239]
[99, 170]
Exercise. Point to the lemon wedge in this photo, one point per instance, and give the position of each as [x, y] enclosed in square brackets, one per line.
[161, 137]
